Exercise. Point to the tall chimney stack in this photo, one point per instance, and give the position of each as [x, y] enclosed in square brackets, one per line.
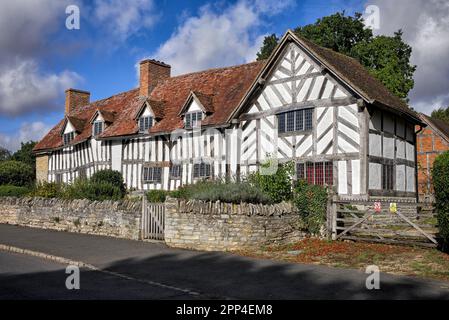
[152, 72]
[75, 98]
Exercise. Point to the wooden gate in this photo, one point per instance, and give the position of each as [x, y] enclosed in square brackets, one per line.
[410, 224]
[153, 220]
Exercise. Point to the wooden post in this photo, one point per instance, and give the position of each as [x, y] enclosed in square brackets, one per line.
[334, 217]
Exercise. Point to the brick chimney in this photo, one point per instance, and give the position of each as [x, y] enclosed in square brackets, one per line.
[75, 98]
[151, 73]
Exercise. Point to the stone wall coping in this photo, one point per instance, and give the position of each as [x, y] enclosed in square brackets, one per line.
[217, 208]
[125, 205]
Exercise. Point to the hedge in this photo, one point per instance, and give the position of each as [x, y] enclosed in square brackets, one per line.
[13, 191]
[231, 192]
[311, 202]
[16, 173]
[440, 177]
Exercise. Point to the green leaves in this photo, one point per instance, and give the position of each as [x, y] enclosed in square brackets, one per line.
[441, 114]
[311, 202]
[277, 186]
[269, 43]
[440, 178]
[386, 58]
[16, 173]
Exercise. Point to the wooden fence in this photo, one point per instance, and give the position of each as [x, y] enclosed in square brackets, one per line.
[409, 223]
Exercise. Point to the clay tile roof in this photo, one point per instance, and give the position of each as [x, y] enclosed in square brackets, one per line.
[219, 90]
[351, 71]
[108, 116]
[224, 86]
[206, 100]
[441, 126]
[157, 107]
[77, 123]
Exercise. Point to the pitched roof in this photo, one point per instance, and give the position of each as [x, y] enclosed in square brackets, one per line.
[440, 126]
[224, 87]
[222, 92]
[351, 71]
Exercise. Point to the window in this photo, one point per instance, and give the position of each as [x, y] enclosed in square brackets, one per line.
[58, 178]
[98, 127]
[152, 174]
[145, 123]
[175, 171]
[201, 170]
[320, 173]
[298, 120]
[387, 176]
[193, 119]
[68, 137]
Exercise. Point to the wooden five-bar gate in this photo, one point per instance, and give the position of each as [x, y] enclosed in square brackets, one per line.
[392, 223]
[153, 224]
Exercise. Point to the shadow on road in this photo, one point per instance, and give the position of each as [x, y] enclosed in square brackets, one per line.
[215, 275]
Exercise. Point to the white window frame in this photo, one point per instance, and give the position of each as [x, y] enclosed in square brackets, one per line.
[189, 122]
[147, 123]
[94, 128]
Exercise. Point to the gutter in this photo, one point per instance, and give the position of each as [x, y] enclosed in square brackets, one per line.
[416, 162]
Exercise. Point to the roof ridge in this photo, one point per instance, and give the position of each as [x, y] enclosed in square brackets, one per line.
[217, 69]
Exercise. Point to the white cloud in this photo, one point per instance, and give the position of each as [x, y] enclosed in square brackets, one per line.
[28, 131]
[213, 39]
[426, 28]
[25, 25]
[24, 88]
[121, 19]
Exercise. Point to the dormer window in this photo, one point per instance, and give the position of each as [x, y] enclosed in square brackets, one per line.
[68, 137]
[145, 123]
[193, 119]
[98, 128]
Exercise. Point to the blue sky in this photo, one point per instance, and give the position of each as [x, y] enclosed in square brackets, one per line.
[43, 57]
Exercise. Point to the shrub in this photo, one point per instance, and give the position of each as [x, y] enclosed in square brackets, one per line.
[112, 177]
[48, 190]
[311, 202]
[232, 192]
[16, 173]
[278, 185]
[155, 196]
[88, 189]
[440, 177]
[13, 191]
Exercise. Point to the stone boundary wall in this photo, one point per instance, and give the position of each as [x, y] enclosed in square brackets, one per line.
[109, 218]
[215, 226]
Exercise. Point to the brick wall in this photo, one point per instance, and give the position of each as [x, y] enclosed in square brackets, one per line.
[429, 145]
[222, 227]
[109, 218]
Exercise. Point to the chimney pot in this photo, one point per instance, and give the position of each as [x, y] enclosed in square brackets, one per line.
[75, 98]
[152, 72]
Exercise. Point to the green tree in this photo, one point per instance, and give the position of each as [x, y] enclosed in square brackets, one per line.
[337, 32]
[25, 153]
[441, 114]
[16, 173]
[269, 43]
[4, 154]
[387, 58]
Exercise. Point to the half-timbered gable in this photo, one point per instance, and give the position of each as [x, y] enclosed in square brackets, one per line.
[305, 104]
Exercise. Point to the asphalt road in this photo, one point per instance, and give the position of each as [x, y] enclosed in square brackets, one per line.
[159, 272]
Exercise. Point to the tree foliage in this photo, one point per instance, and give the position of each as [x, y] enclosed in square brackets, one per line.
[441, 114]
[269, 43]
[440, 178]
[4, 154]
[16, 173]
[25, 153]
[385, 57]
